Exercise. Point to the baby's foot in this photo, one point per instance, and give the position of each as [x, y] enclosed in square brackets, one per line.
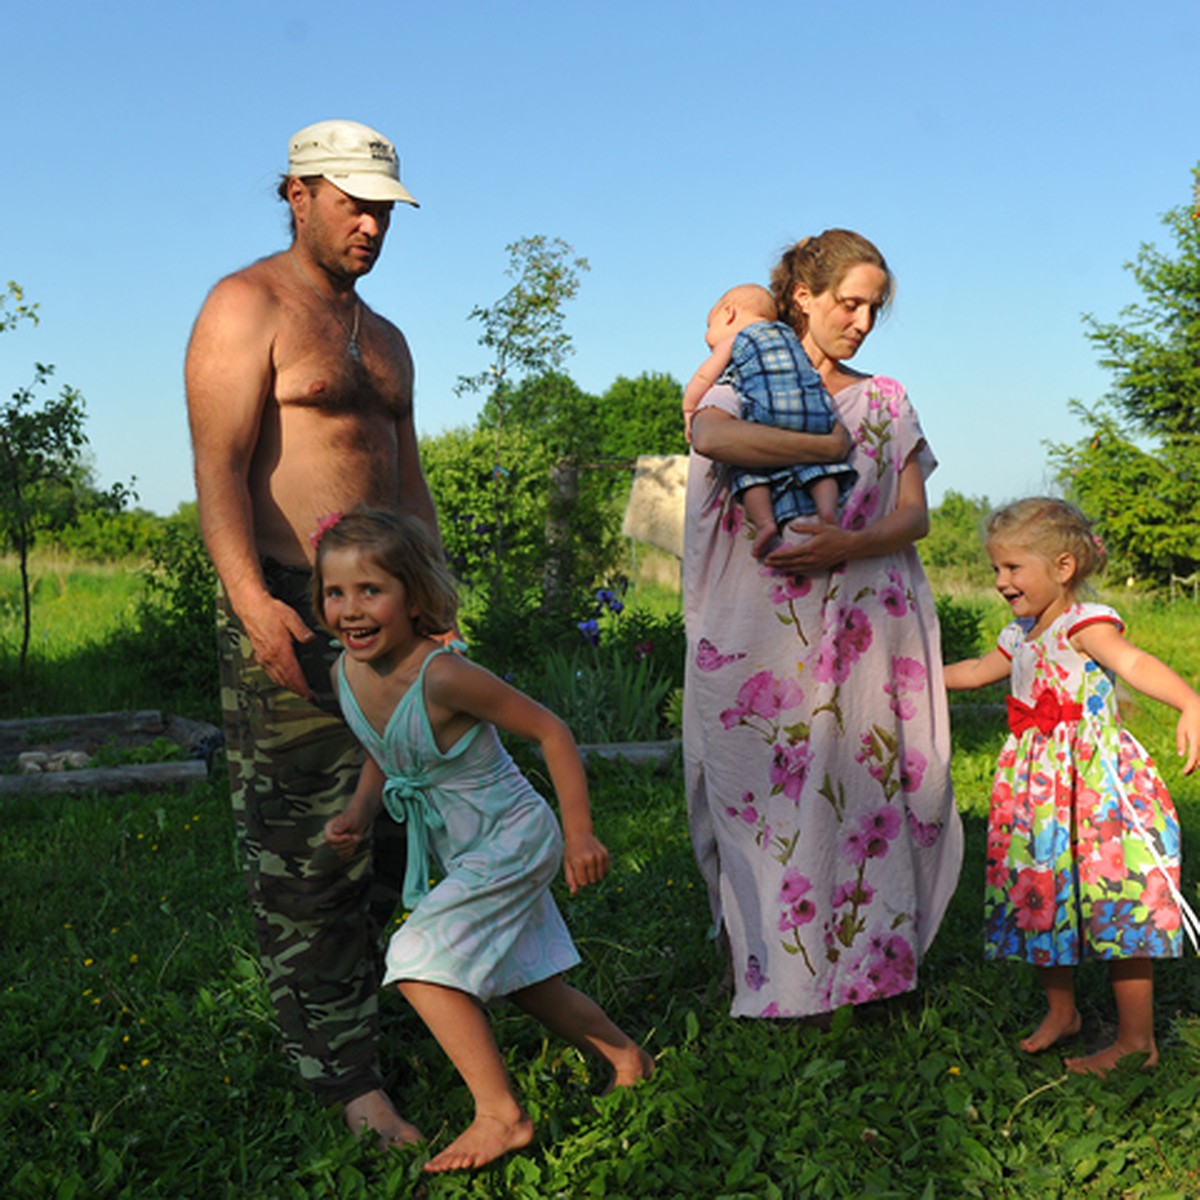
[765, 540]
[375, 1111]
[486, 1139]
[1054, 1028]
[1104, 1060]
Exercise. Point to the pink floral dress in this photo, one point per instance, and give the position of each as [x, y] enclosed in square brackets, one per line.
[1082, 834]
[816, 740]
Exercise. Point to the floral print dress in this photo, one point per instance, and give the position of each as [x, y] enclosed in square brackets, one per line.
[816, 740]
[1082, 834]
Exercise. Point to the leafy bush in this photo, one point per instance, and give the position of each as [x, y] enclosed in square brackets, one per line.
[960, 624]
[175, 617]
[605, 694]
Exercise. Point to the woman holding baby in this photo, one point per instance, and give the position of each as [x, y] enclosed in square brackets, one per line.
[816, 737]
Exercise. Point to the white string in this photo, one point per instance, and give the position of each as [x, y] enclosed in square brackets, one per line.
[1189, 920]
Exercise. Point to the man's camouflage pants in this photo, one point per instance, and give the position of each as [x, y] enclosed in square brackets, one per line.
[320, 921]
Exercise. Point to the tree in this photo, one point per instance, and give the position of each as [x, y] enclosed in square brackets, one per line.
[642, 416]
[524, 332]
[41, 466]
[1137, 472]
[954, 545]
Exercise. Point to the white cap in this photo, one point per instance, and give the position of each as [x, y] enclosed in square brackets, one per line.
[353, 157]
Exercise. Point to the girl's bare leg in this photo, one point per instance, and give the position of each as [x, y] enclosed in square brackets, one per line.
[462, 1030]
[1062, 1017]
[1133, 987]
[578, 1019]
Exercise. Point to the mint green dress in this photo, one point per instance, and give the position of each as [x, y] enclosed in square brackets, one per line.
[488, 926]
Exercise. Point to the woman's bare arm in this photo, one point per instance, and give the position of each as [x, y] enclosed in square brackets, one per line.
[720, 435]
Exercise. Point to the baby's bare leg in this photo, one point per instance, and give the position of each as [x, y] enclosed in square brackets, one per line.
[757, 503]
[824, 493]
[1133, 987]
[1062, 1017]
[462, 1030]
[578, 1019]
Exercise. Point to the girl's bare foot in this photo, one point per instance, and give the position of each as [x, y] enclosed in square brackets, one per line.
[486, 1139]
[1104, 1060]
[1054, 1028]
[375, 1111]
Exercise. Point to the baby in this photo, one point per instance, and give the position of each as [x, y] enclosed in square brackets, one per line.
[767, 366]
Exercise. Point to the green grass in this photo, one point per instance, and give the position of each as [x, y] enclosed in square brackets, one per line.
[141, 1059]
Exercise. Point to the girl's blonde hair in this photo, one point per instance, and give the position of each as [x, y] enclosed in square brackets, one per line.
[1049, 527]
[405, 547]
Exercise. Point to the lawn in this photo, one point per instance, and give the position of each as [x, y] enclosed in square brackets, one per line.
[141, 1059]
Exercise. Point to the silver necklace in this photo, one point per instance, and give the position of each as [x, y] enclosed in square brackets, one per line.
[350, 332]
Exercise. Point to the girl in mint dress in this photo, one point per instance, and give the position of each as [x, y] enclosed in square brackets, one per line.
[485, 926]
[1083, 839]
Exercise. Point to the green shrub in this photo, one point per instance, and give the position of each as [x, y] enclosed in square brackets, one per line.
[605, 694]
[960, 624]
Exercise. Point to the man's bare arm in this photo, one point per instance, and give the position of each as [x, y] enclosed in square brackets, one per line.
[228, 374]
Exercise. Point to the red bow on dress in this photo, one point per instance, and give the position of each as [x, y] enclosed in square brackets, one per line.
[1045, 713]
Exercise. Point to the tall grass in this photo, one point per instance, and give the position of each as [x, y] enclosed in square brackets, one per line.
[141, 1060]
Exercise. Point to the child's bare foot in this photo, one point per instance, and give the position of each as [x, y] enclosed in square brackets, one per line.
[375, 1111]
[486, 1139]
[766, 539]
[630, 1067]
[1054, 1028]
[1104, 1060]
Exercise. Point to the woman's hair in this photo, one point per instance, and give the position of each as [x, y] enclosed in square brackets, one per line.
[821, 263]
[404, 547]
[1049, 527]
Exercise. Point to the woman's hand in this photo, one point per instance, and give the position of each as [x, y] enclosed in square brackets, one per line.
[825, 547]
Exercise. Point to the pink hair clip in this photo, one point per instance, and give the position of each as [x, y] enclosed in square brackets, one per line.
[324, 525]
[1099, 545]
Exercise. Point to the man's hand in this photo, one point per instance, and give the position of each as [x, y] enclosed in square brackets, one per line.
[272, 630]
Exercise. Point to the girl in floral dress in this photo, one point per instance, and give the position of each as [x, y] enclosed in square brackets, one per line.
[1083, 840]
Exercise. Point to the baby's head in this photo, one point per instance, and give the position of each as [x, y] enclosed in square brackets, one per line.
[1049, 528]
[740, 306]
[405, 548]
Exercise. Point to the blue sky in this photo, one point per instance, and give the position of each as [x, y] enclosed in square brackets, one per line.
[1008, 158]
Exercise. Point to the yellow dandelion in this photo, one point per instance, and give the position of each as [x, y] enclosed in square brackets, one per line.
[115, 929]
[186, 827]
[145, 1062]
[153, 847]
[141, 837]
[123, 1067]
[87, 962]
[68, 925]
[133, 958]
[31, 1092]
[87, 991]
[95, 1001]
[956, 1070]
[228, 1080]
[125, 1038]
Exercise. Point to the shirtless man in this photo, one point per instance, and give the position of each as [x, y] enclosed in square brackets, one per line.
[300, 400]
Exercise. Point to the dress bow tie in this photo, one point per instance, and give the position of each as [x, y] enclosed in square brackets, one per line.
[1044, 714]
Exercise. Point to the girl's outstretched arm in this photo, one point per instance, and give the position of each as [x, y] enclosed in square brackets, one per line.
[345, 831]
[458, 693]
[1104, 642]
[976, 672]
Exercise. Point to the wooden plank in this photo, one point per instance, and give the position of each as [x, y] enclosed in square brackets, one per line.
[143, 777]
